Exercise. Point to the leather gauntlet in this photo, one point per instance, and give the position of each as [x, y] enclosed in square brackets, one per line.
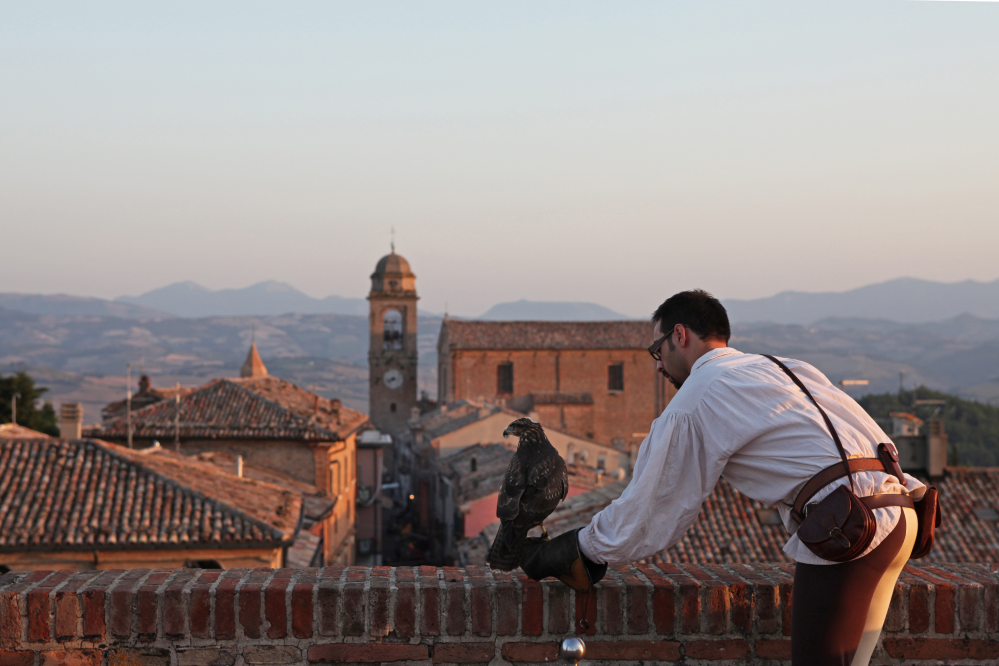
[561, 558]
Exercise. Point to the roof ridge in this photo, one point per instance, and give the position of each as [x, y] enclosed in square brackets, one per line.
[267, 527]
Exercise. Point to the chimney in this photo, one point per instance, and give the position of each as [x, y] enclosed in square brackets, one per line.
[71, 420]
[936, 448]
[239, 466]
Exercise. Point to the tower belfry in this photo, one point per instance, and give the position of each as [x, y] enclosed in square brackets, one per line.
[392, 354]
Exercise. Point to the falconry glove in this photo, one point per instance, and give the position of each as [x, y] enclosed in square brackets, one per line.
[561, 558]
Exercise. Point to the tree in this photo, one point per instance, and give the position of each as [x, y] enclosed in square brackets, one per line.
[28, 413]
[972, 427]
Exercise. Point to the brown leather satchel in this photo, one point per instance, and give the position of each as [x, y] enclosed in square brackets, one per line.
[841, 526]
[928, 517]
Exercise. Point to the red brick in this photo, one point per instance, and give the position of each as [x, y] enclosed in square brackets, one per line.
[663, 601]
[38, 614]
[765, 599]
[430, 602]
[532, 608]
[919, 608]
[17, 658]
[608, 593]
[92, 598]
[147, 604]
[327, 599]
[455, 620]
[249, 608]
[70, 658]
[200, 604]
[464, 653]
[990, 593]
[174, 612]
[120, 615]
[482, 610]
[354, 609]
[944, 600]
[637, 614]
[558, 609]
[633, 650]
[506, 605]
[275, 606]
[690, 599]
[301, 606]
[225, 604]
[785, 607]
[530, 652]
[10, 611]
[378, 600]
[367, 652]
[717, 649]
[941, 648]
[405, 610]
[714, 600]
[740, 596]
[768, 649]
[895, 619]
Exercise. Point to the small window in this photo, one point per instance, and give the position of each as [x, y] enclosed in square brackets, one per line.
[475, 464]
[392, 330]
[335, 478]
[602, 462]
[582, 455]
[615, 377]
[392, 408]
[504, 378]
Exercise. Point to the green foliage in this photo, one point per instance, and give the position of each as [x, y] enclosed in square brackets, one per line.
[28, 414]
[972, 427]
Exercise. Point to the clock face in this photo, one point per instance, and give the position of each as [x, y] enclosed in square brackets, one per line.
[393, 378]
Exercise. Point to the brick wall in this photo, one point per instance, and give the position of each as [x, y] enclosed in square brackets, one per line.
[703, 614]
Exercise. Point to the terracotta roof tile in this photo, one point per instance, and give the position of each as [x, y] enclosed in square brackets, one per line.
[512, 335]
[251, 408]
[86, 494]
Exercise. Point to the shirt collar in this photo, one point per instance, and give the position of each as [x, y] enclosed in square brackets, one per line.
[712, 355]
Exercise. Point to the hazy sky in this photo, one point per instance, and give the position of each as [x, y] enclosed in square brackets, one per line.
[613, 152]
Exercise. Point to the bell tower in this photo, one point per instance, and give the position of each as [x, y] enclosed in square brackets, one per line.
[392, 353]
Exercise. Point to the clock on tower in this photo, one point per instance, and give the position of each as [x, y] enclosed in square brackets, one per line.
[392, 354]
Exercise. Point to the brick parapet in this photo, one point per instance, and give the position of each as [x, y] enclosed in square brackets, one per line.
[718, 614]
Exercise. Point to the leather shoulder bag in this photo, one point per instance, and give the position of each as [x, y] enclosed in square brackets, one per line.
[841, 526]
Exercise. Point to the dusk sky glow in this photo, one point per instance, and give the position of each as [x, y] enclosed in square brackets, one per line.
[605, 152]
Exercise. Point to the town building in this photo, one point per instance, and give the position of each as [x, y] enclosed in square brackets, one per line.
[87, 504]
[271, 424]
[593, 380]
[146, 395]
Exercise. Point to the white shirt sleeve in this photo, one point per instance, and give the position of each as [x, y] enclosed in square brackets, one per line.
[671, 480]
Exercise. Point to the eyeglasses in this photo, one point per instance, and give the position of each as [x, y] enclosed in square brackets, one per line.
[654, 349]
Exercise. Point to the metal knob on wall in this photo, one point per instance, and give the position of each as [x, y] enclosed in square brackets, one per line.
[572, 650]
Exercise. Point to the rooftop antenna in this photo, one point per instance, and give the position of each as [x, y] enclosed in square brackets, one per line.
[176, 422]
[392, 244]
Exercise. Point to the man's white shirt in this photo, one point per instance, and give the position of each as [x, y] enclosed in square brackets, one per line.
[738, 416]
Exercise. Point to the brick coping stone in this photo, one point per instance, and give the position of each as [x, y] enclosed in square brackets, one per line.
[661, 613]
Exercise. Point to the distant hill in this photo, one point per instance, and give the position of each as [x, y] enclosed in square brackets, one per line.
[972, 428]
[63, 305]
[905, 300]
[189, 299]
[550, 311]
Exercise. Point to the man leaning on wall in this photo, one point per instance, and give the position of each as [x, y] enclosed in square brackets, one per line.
[781, 433]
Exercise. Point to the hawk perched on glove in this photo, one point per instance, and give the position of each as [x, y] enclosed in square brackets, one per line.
[535, 483]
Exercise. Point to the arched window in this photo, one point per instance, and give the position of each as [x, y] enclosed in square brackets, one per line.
[392, 330]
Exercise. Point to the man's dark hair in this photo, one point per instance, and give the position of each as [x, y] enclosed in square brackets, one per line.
[697, 310]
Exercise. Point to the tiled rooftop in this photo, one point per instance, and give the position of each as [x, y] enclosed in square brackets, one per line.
[731, 528]
[15, 431]
[251, 408]
[513, 335]
[86, 494]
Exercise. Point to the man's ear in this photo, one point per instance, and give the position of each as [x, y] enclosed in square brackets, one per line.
[681, 335]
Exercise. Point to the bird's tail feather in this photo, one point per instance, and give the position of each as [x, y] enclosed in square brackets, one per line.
[505, 551]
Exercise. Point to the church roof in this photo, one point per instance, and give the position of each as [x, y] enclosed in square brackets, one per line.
[393, 263]
[85, 494]
[253, 366]
[248, 408]
[512, 335]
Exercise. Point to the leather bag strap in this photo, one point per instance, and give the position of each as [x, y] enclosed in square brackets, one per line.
[832, 430]
[887, 499]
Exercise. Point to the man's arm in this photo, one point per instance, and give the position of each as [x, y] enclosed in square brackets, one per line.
[674, 473]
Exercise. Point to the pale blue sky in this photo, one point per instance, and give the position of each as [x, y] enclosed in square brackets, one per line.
[607, 152]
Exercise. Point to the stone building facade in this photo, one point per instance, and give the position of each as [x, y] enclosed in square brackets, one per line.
[590, 379]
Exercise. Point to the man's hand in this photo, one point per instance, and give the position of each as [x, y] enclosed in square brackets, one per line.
[560, 557]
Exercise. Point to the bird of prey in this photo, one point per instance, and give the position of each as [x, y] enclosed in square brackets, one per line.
[535, 482]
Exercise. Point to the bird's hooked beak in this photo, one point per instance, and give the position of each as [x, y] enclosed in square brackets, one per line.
[507, 432]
